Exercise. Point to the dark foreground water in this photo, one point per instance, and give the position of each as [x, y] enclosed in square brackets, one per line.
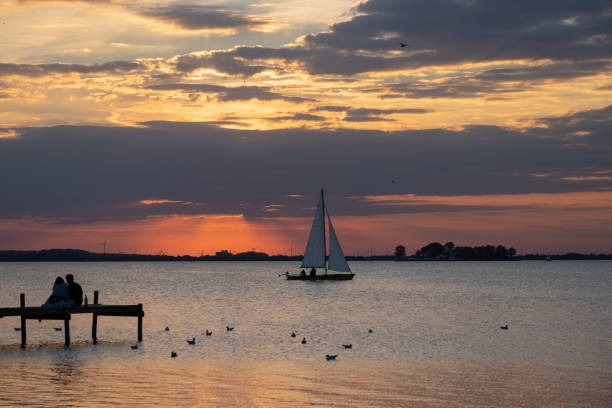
[436, 340]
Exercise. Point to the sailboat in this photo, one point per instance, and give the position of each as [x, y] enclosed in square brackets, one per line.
[315, 255]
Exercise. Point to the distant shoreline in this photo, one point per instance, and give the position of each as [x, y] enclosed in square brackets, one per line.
[77, 255]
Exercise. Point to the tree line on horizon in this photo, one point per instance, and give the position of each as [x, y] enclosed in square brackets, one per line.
[448, 251]
[433, 251]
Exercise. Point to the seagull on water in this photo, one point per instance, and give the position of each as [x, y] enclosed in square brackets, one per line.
[304, 340]
[167, 328]
[347, 346]
[208, 333]
[192, 341]
[173, 354]
[57, 328]
[504, 327]
[134, 347]
[229, 328]
[330, 356]
[293, 334]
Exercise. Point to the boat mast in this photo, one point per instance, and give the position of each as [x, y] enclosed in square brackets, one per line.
[324, 242]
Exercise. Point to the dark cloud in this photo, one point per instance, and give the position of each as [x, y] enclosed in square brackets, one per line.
[37, 70]
[476, 30]
[93, 172]
[228, 94]
[298, 116]
[221, 61]
[330, 108]
[587, 129]
[449, 32]
[493, 82]
[449, 88]
[184, 15]
[198, 17]
[577, 33]
[367, 114]
[366, 118]
[566, 70]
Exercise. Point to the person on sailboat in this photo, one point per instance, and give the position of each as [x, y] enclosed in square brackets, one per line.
[313, 272]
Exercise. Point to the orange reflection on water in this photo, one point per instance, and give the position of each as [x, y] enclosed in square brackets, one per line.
[73, 382]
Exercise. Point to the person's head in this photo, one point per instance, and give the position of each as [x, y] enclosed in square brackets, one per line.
[59, 280]
[69, 278]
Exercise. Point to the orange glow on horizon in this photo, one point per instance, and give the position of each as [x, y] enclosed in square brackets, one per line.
[529, 222]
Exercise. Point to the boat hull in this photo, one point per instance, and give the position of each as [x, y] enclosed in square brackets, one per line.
[329, 276]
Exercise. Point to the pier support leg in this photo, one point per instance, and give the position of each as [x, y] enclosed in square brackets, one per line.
[140, 322]
[23, 321]
[94, 321]
[66, 329]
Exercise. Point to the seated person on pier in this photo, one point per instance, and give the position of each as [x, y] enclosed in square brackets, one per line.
[59, 295]
[303, 273]
[313, 272]
[75, 292]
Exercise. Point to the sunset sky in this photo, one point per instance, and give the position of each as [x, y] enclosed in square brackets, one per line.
[188, 127]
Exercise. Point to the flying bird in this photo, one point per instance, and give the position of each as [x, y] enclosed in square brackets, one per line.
[404, 45]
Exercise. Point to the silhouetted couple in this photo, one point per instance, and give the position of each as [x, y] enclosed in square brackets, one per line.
[65, 294]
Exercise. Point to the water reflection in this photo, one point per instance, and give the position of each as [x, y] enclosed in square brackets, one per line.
[71, 382]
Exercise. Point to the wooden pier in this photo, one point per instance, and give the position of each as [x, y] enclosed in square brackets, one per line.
[64, 313]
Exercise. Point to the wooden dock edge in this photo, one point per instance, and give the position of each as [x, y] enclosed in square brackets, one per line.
[65, 313]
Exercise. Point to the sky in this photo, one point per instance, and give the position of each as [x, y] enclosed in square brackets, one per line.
[189, 127]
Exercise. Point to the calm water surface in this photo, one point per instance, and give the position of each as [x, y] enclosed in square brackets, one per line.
[436, 340]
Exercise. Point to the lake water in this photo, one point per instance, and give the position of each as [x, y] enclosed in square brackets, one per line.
[435, 338]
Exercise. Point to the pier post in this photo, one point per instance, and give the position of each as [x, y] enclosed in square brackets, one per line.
[23, 321]
[66, 328]
[140, 313]
[94, 322]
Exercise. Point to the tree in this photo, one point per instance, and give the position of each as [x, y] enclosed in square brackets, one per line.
[432, 250]
[501, 252]
[448, 247]
[400, 251]
[485, 252]
[512, 252]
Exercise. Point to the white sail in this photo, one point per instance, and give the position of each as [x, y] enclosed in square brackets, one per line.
[314, 255]
[337, 261]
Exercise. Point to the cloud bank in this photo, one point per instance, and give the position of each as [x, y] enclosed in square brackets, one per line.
[94, 172]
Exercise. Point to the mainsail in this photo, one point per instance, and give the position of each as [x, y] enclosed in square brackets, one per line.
[314, 255]
[337, 261]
